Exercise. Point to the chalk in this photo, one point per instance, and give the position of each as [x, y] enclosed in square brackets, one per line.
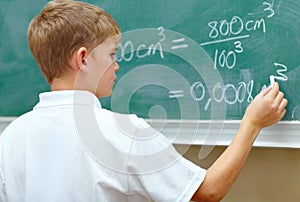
[272, 80]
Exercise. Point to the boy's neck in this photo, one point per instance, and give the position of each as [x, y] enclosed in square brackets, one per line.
[62, 83]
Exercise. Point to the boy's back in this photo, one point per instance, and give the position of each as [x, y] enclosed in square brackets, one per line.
[55, 165]
[58, 166]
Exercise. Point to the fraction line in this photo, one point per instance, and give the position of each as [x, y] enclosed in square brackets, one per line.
[224, 40]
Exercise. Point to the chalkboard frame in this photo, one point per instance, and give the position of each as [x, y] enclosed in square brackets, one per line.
[284, 134]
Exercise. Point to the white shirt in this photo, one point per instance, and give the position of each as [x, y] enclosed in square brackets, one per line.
[69, 149]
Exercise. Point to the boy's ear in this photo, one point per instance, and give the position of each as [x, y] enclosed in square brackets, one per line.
[79, 59]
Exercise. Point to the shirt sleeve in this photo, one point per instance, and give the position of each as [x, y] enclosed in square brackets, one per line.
[159, 171]
[2, 180]
[2, 186]
[178, 182]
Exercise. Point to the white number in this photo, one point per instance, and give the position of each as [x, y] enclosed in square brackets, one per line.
[269, 8]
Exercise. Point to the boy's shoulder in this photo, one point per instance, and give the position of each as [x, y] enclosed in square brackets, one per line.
[126, 118]
[13, 135]
[19, 124]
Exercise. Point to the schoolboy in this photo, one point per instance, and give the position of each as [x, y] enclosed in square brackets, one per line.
[49, 154]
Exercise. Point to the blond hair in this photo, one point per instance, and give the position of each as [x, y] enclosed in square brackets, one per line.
[61, 28]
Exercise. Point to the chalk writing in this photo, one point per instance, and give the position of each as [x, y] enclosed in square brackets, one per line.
[129, 50]
[229, 93]
[234, 31]
[227, 60]
[282, 68]
[295, 113]
[179, 41]
[269, 8]
[224, 40]
[234, 27]
[176, 94]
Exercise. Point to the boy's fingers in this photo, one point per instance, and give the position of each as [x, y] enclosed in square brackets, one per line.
[282, 113]
[264, 91]
[278, 98]
[274, 90]
[283, 104]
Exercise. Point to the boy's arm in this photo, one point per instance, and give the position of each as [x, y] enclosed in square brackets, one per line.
[2, 190]
[267, 108]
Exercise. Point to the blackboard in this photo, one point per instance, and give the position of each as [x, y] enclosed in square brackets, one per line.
[178, 59]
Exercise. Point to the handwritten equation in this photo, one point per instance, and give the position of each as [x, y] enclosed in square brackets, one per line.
[233, 31]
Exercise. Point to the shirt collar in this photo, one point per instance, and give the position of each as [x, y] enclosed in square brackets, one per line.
[67, 97]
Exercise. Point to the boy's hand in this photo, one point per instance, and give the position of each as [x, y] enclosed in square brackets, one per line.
[267, 108]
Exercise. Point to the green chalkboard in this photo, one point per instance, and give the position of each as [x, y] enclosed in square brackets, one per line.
[20, 79]
[178, 59]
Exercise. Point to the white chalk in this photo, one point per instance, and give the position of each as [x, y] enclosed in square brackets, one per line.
[272, 80]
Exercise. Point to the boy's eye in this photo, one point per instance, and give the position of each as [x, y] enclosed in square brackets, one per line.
[113, 55]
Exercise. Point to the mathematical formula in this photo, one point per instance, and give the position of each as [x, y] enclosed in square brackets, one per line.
[233, 31]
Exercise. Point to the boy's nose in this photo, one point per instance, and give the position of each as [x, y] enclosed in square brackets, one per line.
[117, 67]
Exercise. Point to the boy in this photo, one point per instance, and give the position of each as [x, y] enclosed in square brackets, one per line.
[70, 149]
